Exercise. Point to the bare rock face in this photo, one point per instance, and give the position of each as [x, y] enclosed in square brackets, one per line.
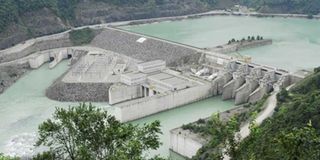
[10, 74]
[88, 12]
[12, 35]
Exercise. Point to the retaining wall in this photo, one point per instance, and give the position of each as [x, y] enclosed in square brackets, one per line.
[119, 93]
[78, 92]
[143, 107]
[185, 143]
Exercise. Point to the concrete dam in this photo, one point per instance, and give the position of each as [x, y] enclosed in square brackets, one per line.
[142, 75]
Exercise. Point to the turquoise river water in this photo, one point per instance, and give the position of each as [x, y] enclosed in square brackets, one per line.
[296, 46]
[296, 42]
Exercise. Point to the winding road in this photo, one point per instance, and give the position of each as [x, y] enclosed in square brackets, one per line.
[269, 107]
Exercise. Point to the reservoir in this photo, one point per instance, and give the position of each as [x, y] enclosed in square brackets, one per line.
[296, 41]
[24, 105]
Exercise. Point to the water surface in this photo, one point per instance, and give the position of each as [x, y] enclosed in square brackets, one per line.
[296, 41]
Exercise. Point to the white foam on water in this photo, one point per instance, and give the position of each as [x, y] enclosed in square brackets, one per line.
[22, 145]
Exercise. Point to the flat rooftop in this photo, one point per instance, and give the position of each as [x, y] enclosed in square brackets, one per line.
[99, 67]
[166, 81]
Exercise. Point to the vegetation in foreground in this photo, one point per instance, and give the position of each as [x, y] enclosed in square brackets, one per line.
[81, 36]
[292, 133]
[85, 132]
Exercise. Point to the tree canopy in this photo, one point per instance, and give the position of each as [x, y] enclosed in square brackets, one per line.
[85, 132]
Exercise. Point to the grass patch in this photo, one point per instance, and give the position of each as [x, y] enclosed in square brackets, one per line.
[81, 36]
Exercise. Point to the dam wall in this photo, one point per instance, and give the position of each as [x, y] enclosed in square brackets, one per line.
[248, 82]
[35, 45]
[139, 108]
[38, 59]
[145, 48]
[52, 56]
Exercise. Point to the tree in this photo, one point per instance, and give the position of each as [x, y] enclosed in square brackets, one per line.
[282, 95]
[303, 143]
[258, 37]
[2, 157]
[222, 137]
[317, 70]
[85, 132]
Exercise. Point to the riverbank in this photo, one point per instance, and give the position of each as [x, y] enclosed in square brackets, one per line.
[211, 13]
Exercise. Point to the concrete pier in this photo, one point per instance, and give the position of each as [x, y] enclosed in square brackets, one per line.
[228, 90]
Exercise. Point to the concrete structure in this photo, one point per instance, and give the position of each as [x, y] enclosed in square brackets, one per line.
[52, 56]
[100, 67]
[139, 108]
[133, 78]
[245, 82]
[35, 45]
[120, 92]
[187, 143]
[151, 66]
[142, 94]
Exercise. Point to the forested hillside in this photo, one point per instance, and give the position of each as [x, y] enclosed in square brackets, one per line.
[285, 6]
